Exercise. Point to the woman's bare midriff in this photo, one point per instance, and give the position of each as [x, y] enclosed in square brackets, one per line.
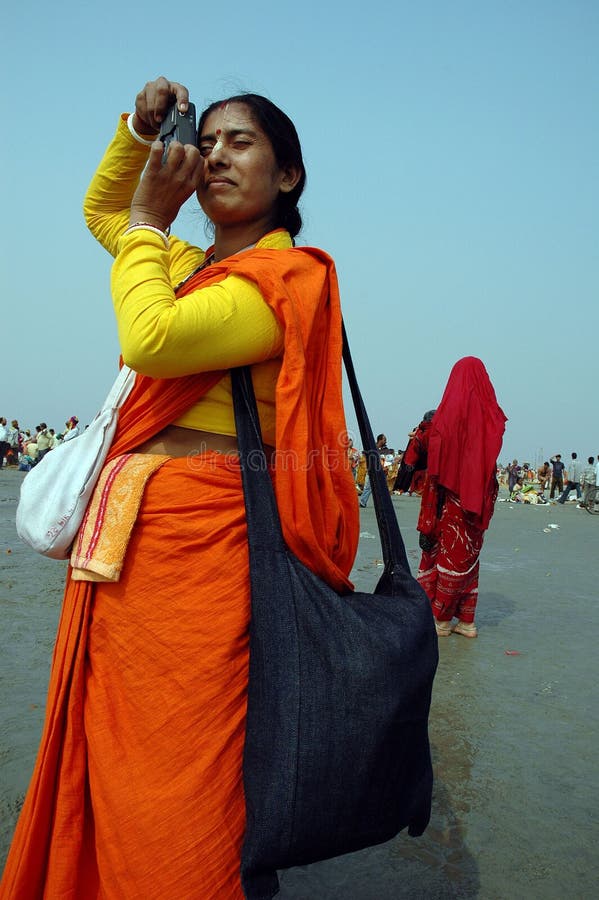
[176, 441]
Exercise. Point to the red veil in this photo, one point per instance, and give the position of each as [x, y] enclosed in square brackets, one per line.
[466, 437]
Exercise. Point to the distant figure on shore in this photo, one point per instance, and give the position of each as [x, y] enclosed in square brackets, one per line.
[4, 441]
[513, 475]
[43, 440]
[15, 439]
[544, 475]
[71, 428]
[557, 475]
[573, 483]
[354, 458]
[381, 445]
[526, 493]
[459, 494]
[588, 481]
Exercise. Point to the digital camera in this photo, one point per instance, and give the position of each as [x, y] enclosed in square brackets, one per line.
[178, 126]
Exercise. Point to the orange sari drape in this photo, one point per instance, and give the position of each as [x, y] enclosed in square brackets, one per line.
[165, 695]
[62, 839]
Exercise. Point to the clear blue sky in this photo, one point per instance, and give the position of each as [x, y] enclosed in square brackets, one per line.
[452, 151]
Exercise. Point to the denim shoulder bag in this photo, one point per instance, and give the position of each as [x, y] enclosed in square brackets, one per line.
[336, 753]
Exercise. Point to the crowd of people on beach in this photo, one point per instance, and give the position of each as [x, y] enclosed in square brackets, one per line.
[23, 448]
[526, 484]
[403, 474]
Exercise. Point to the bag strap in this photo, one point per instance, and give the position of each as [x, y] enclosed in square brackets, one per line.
[120, 390]
[262, 513]
[393, 548]
[263, 522]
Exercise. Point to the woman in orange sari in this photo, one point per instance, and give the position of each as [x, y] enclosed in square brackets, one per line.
[458, 499]
[137, 790]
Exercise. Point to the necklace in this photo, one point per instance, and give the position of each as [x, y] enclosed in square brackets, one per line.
[208, 262]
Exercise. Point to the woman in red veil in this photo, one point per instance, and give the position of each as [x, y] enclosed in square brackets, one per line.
[459, 494]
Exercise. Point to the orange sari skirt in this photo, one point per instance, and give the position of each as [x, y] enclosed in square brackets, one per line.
[159, 810]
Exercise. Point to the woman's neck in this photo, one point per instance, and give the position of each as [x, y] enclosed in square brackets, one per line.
[232, 239]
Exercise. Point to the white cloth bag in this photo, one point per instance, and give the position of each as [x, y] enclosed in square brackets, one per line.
[55, 493]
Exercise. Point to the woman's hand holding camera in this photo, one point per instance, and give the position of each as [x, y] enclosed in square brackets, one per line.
[163, 188]
[153, 101]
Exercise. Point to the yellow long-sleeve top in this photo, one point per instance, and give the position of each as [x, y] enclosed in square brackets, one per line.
[217, 327]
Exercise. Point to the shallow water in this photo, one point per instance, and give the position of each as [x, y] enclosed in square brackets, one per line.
[514, 720]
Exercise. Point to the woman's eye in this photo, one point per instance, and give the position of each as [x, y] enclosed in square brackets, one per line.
[241, 143]
[206, 149]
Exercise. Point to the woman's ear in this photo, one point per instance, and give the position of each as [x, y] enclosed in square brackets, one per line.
[290, 176]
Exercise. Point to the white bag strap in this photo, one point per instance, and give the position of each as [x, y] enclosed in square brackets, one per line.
[120, 390]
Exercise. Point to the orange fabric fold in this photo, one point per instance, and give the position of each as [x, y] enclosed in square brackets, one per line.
[166, 690]
[53, 850]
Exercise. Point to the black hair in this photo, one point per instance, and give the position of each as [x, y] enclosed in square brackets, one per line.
[574, 455]
[285, 143]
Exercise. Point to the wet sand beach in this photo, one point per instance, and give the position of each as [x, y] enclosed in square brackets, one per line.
[514, 720]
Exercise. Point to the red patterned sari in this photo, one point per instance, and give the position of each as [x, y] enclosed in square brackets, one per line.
[460, 490]
[448, 572]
